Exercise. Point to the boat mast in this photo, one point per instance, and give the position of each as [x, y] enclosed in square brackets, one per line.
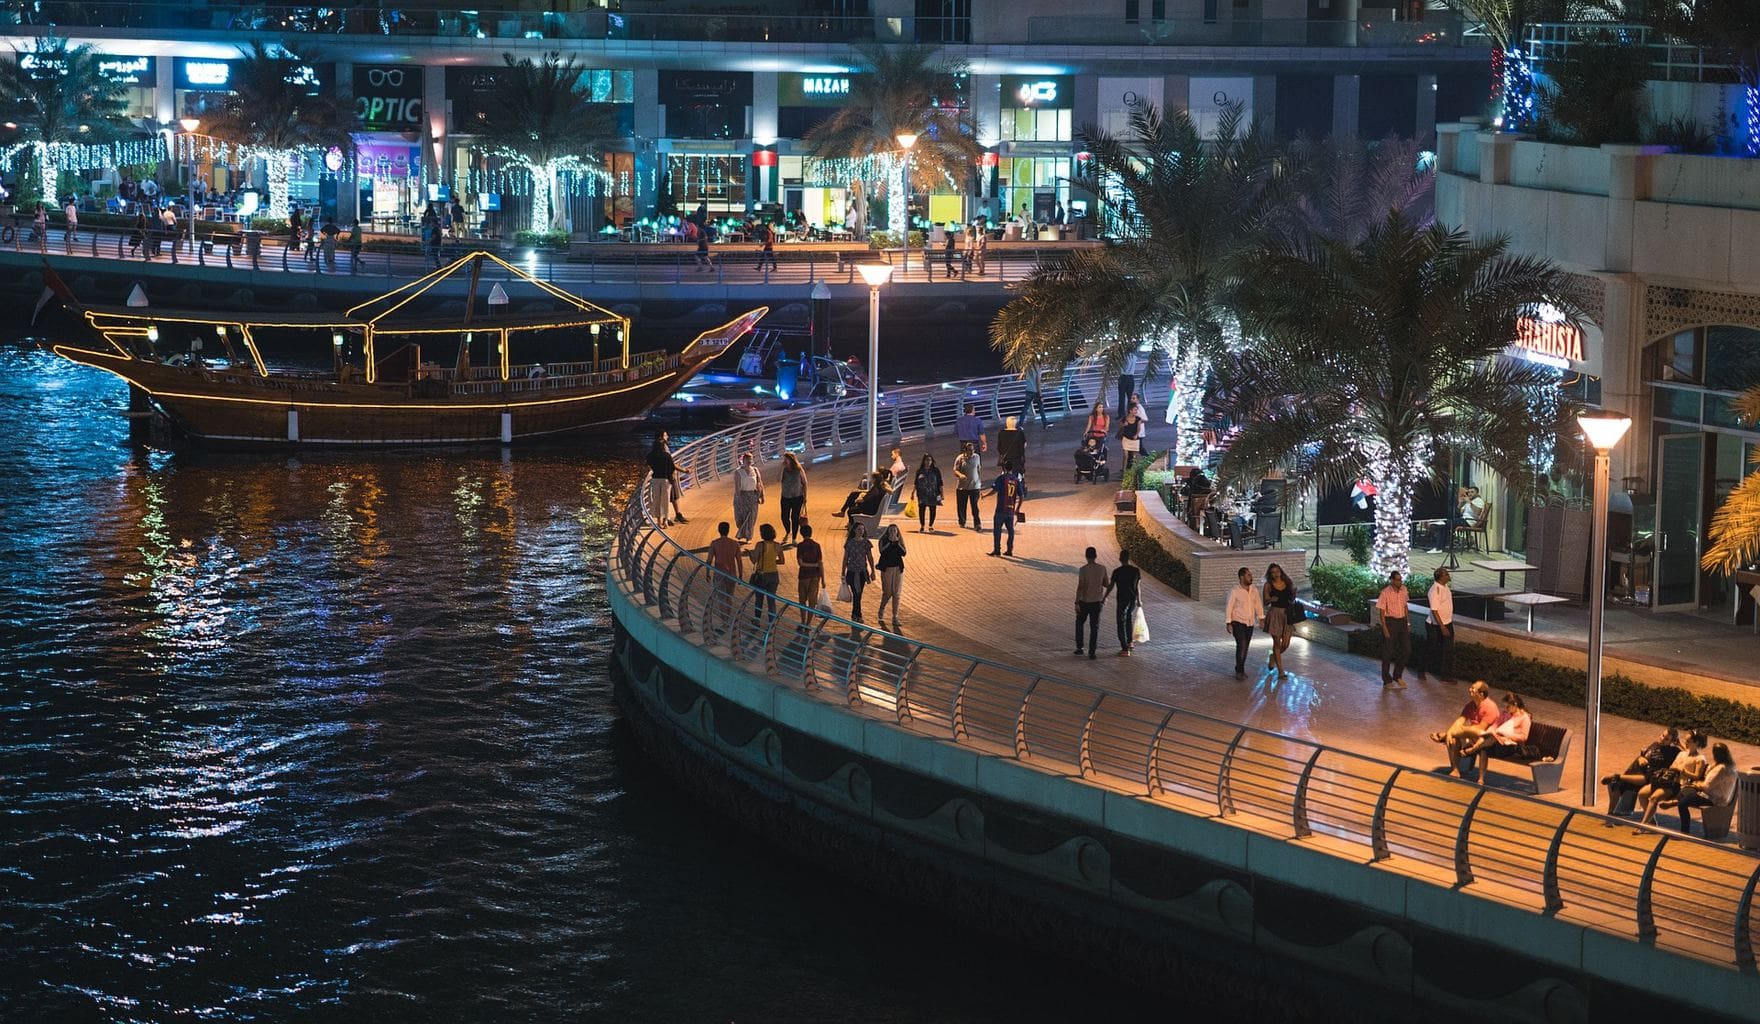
[463, 369]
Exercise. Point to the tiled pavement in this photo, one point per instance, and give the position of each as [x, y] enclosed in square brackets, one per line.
[1021, 611]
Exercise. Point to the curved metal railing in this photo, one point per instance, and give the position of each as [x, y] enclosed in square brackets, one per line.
[1666, 889]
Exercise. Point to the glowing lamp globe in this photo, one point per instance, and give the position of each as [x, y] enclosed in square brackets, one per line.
[1604, 430]
[876, 274]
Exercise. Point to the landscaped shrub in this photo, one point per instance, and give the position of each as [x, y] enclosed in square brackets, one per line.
[1152, 558]
[1132, 479]
[1356, 543]
[889, 240]
[1353, 588]
[1596, 94]
[541, 239]
[1660, 705]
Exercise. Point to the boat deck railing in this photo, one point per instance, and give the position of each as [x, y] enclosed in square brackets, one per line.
[1660, 888]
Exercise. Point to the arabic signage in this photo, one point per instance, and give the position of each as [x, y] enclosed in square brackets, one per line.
[388, 97]
[1039, 92]
[706, 88]
[137, 71]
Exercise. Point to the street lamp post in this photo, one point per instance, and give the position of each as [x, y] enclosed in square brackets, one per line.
[1604, 431]
[876, 274]
[905, 141]
[189, 125]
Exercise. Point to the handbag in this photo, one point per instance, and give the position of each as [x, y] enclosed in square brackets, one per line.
[844, 594]
[910, 509]
[1139, 626]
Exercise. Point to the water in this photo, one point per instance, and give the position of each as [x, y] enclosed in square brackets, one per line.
[331, 737]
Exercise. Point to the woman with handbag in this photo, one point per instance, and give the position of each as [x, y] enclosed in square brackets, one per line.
[767, 558]
[928, 492]
[1645, 768]
[858, 566]
[1280, 611]
[1688, 766]
[891, 568]
[748, 494]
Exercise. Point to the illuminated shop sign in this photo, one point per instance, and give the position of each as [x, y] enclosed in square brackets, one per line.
[823, 85]
[388, 97]
[1546, 337]
[1052, 93]
[208, 75]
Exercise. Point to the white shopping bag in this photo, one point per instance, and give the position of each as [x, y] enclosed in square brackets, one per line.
[1139, 627]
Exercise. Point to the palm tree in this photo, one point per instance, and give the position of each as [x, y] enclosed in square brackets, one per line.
[1371, 357]
[1727, 29]
[545, 120]
[1183, 208]
[273, 113]
[1506, 22]
[60, 101]
[1735, 529]
[899, 93]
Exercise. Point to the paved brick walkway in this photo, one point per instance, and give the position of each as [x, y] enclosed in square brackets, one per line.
[1021, 611]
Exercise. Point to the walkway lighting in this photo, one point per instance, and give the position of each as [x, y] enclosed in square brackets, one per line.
[1604, 431]
[876, 274]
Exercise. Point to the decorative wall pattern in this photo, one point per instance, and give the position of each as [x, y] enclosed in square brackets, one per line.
[1670, 310]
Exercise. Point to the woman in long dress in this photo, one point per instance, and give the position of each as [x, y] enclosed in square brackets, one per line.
[748, 494]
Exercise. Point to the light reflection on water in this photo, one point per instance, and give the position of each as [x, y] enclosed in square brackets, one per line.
[329, 736]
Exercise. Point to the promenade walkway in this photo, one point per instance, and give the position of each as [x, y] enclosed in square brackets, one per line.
[1020, 611]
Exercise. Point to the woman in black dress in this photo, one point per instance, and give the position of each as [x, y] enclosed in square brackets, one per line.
[1280, 600]
[928, 492]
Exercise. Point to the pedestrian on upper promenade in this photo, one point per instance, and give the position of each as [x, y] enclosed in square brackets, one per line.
[329, 232]
[662, 488]
[1127, 579]
[724, 555]
[1441, 601]
[354, 245]
[1011, 445]
[1477, 715]
[968, 472]
[295, 228]
[1507, 733]
[1280, 602]
[891, 566]
[809, 560]
[1090, 597]
[858, 565]
[767, 247]
[927, 491]
[1130, 439]
[969, 428]
[983, 233]
[950, 250]
[1010, 492]
[40, 228]
[766, 557]
[748, 494]
[794, 495]
[1396, 631]
[138, 237]
[703, 263]
[1245, 610]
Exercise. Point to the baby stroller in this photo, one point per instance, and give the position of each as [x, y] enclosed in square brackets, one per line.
[1091, 462]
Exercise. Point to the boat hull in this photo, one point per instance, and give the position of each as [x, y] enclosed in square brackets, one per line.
[235, 408]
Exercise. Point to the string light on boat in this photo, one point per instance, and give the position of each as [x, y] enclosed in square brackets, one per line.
[336, 340]
[153, 333]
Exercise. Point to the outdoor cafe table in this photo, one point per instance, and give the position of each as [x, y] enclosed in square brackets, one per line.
[1503, 565]
[1530, 600]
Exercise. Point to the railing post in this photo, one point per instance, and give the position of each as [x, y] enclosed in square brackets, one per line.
[1152, 763]
[1744, 936]
[1463, 867]
[1085, 762]
[229, 257]
[958, 717]
[900, 692]
[1021, 752]
[94, 243]
[1224, 795]
[809, 268]
[1299, 807]
[684, 608]
[1549, 889]
[677, 270]
[1378, 822]
[1645, 910]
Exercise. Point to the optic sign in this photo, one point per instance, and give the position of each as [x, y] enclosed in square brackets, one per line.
[820, 85]
[1547, 338]
[388, 97]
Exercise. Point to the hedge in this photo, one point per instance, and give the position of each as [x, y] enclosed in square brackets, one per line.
[1620, 695]
[1353, 588]
[1152, 558]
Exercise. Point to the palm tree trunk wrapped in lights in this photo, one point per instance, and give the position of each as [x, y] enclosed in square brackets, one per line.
[59, 103]
[278, 112]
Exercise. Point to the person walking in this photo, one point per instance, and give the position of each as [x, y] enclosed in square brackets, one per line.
[970, 256]
[767, 250]
[748, 494]
[295, 228]
[1127, 580]
[949, 250]
[891, 566]
[1396, 632]
[927, 491]
[809, 560]
[794, 495]
[1011, 445]
[1099, 423]
[330, 233]
[858, 565]
[703, 262]
[1441, 601]
[766, 557]
[1010, 492]
[662, 487]
[1279, 599]
[724, 555]
[968, 472]
[1090, 597]
[983, 234]
[1245, 610]
[1130, 440]
[354, 246]
[969, 429]
[1035, 398]
[71, 212]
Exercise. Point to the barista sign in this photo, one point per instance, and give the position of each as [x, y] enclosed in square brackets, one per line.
[388, 97]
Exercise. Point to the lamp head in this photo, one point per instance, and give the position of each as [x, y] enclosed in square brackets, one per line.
[1604, 429]
[336, 339]
[876, 274]
[190, 124]
[906, 140]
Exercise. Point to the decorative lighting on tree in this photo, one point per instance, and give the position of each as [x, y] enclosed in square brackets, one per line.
[1518, 91]
[1396, 477]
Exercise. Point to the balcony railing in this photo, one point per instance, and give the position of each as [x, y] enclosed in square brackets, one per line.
[1672, 61]
[1441, 31]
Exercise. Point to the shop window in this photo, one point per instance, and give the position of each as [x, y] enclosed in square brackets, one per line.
[1028, 125]
[1677, 358]
[1677, 404]
[1131, 10]
[1732, 358]
[716, 179]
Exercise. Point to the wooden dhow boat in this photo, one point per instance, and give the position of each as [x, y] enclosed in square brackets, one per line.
[369, 376]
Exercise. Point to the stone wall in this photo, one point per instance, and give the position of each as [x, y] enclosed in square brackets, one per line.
[1214, 566]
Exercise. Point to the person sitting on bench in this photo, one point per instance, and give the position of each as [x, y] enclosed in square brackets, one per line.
[1650, 763]
[866, 499]
[1506, 737]
[1476, 718]
[1689, 766]
[1717, 789]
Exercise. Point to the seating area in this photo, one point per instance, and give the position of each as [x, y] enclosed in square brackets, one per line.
[1543, 756]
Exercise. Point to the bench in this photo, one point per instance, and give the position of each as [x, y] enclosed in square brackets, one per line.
[1715, 818]
[1550, 743]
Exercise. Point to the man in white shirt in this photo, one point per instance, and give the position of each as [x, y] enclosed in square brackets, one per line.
[71, 211]
[1245, 609]
[1441, 602]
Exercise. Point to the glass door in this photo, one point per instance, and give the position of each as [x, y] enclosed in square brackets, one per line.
[1680, 476]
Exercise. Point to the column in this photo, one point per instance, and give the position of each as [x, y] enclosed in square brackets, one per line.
[438, 115]
[1265, 102]
[1426, 120]
[648, 130]
[165, 89]
[1176, 92]
[348, 187]
[984, 99]
[1622, 370]
[1346, 97]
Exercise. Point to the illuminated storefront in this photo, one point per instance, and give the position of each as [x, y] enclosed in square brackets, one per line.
[703, 115]
[1036, 128]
